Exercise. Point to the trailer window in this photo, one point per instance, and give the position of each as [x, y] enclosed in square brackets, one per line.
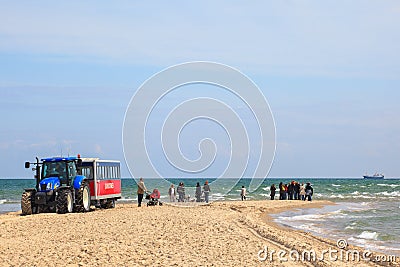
[99, 172]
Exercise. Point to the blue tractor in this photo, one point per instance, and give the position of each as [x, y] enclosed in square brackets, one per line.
[59, 187]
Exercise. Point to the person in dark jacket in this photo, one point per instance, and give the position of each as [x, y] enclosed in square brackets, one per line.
[309, 191]
[206, 190]
[181, 192]
[273, 189]
[281, 191]
[296, 191]
[197, 194]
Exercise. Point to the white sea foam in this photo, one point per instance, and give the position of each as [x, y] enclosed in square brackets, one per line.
[308, 217]
[2, 201]
[363, 197]
[389, 185]
[391, 194]
[369, 235]
[336, 196]
[336, 185]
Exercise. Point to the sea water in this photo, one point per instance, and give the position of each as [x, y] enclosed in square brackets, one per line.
[367, 211]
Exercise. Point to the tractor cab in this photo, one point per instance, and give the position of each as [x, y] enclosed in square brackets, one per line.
[62, 169]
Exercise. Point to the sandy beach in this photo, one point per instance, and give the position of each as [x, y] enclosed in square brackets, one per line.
[220, 234]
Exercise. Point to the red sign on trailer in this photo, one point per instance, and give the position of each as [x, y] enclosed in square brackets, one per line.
[105, 188]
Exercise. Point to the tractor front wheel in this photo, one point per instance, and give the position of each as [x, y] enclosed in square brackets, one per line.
[28, 206]
[83, 198]
[64, 203]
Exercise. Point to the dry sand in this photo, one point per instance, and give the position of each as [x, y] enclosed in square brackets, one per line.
[220, 234]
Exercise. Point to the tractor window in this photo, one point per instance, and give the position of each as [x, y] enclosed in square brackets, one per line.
[87, 172]
[71, 170]
[54, 169]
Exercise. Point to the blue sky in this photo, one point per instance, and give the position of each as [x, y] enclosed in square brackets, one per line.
[329, 69]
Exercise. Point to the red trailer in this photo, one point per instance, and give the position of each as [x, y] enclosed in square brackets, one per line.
[104, 181]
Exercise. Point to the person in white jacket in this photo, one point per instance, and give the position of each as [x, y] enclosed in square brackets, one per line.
[172, 193]
[243, 193]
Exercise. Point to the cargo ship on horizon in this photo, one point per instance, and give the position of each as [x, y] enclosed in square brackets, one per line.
[375, 176]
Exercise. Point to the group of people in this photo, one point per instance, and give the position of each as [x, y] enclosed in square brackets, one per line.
[293, 191]
[180, 190]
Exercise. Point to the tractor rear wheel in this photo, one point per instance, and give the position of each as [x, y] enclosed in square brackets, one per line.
[28, 206]
[64, 203]
[83, 198]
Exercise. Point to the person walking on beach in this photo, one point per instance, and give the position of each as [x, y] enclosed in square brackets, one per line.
[243, 193]
[171, 193]
[197, 194]
[140, 191]
[273, 190]
[309, 191]
[181, 192]
[206, 190]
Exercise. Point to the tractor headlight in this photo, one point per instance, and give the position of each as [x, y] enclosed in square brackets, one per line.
[48, 187]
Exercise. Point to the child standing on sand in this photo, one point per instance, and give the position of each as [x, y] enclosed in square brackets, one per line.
[243, 193]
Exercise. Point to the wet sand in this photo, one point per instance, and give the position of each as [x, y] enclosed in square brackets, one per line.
[220, 234]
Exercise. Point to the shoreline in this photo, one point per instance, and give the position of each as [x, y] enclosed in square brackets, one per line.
[224, 233]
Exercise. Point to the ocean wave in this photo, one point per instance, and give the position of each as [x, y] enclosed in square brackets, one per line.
[3, 201]
[368, 235]
[389, 185]
[389, 194]
[336, 196]
[363, 197]
[307, 217]
[336, 185]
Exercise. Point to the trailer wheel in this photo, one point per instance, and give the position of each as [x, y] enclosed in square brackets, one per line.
[64, 202]
[28, 206]
[83, 198]
[110, 203]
